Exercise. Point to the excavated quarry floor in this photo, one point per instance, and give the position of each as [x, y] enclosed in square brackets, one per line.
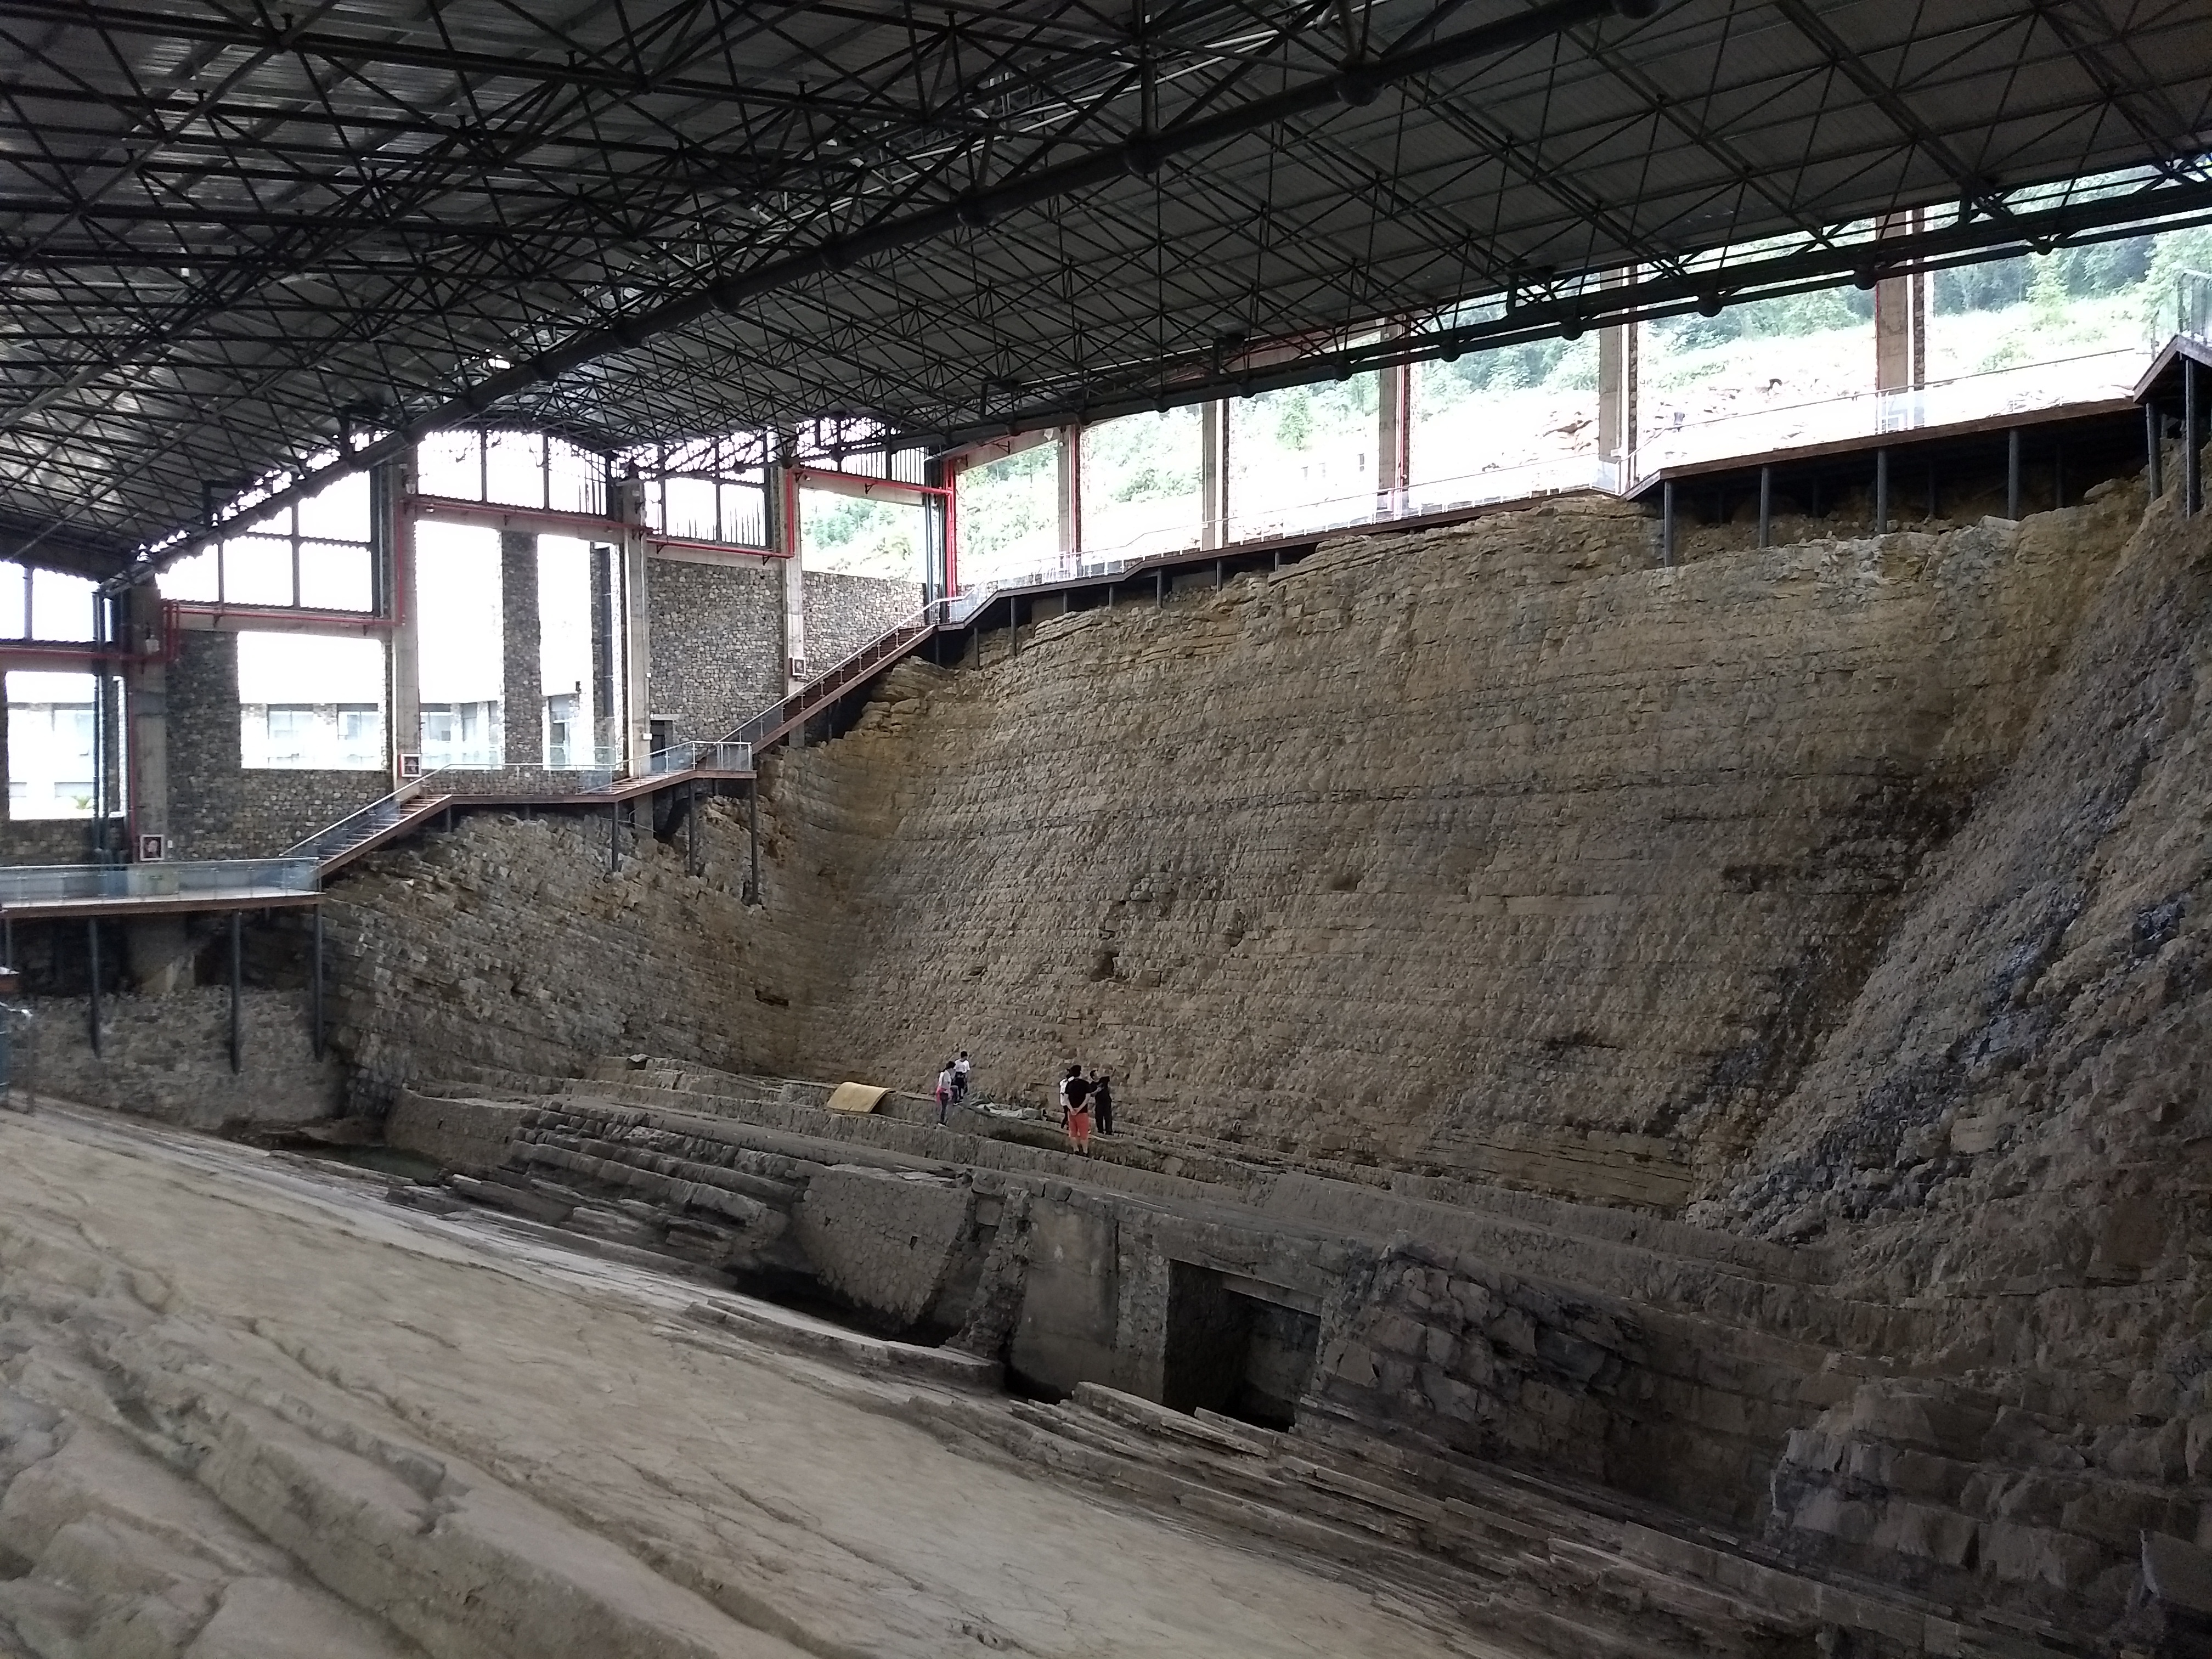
[248, 1409]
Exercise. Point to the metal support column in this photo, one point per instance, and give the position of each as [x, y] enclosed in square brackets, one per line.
[752, 838]
[614, 838]
[1013, 626]
[1766, 506]
[1667, 525]
[1217, 575]
[2154, 452]
[8, 940]
[1160, 588]
[237, 973]
[315, 988]
[2192, 459]
[2057, 473]
[1881, 491]
[694, 858]
[92, 977]
[2012, 473]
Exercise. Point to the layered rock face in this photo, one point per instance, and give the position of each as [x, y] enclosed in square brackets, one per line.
[1496, 853]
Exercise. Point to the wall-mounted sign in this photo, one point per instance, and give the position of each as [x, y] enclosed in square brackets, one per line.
[152, 849]
[411, 766]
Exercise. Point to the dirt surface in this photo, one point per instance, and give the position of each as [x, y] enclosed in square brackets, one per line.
[245, 1401]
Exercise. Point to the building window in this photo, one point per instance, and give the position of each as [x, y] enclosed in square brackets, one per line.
[310, 702]
[50, 758]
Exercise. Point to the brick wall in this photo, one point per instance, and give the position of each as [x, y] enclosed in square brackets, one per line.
[217, 809]
[717, 643]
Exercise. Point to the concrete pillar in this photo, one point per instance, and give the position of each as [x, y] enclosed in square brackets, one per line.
[392, 535]
[1213, 474]
[636, 631]
[1616, 396]
[146, 712]
[606, 653]
[521, 689]
[783, 537]
[1394, 439]
[1071, 494]
[1901, 319]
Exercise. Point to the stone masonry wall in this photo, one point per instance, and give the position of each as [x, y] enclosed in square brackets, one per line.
[1493, 852]
[717, 643]
[843, 613]
[217, 809]
[168, 1057]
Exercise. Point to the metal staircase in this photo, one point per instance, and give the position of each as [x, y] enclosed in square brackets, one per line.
[358, 832]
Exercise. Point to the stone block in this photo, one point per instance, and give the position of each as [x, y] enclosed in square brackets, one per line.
[885, 1241]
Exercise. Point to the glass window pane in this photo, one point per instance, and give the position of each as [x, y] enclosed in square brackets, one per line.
[451, 463]
[50, 769]
[514, 468]
[1302, 458]
[335, 578]
[256, 570]
[1142, 490]
[15, 602]
[576, 479]
[691, 508]
[197, 579]
[308, 701]
[744, 514]
[61, 606]
[862, 535]
[339, 512]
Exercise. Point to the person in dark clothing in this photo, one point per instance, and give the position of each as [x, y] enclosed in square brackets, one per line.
[1102, 1103]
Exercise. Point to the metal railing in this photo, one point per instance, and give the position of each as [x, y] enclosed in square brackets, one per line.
[37, 884]
[686, 755]
[334, 836]
[2095, 376]
[893, 643]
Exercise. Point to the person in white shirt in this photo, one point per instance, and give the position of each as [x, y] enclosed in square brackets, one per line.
[960, 1070]
[944, 1091]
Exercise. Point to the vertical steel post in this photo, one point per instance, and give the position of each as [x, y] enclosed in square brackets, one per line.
[1217, 575]
[1667, 525]
[614, 838]
[1932, 503]
[1160, 588]
[2192, 460]
[237, 973]
[315, 986]
[2012, 474]
[2154, 451]
[1766, 506]
[8, 939]
[695, 833]
[92, 963]
[752, 837]
[1882, 490]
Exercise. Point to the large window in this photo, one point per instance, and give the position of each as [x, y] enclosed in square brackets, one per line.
[44, 605]
[512, 469]
[313, 555]
[1495, 423]
[1008, 513]
[308, 702]
[1142, 484]
[708, 489]
[50, 745]
[1301, 458]
[572, 667]
[862, 535]
[459, 622]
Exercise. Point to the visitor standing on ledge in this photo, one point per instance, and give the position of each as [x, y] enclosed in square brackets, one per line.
[960, 1070]
[1102, 1103]
[1066, 1101]
[1079, 1111]
[944, 1086]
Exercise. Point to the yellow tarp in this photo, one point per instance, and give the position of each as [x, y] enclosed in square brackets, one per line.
[855, 1097]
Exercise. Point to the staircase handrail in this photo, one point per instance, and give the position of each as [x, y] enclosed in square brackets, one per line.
[413, 786]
